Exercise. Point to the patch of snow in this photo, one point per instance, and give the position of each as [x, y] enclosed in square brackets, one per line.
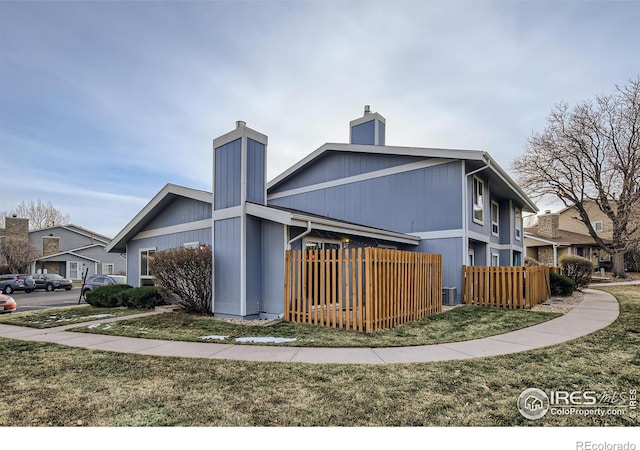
[98, 316]
[269, 339]
[95, 325]
[219, 338]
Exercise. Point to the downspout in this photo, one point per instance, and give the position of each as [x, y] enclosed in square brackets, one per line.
[301, 235]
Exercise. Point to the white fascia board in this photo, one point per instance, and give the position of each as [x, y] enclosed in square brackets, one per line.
[440, 234]
[359, 230]
[317, 223]
[238, 133]
[476, 155]
[189, 226]
[67, 253]
[511, 183]
[227, 213]
[168, 189]
[271, 214]
[366, 118]
[362, 177]
[545, 241]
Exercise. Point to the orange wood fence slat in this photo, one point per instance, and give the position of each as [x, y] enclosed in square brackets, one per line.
[505, 287]
[361, 289]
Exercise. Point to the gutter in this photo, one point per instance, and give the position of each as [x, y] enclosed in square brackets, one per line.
[301, 235]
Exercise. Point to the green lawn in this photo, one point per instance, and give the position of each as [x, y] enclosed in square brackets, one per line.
[53, 385]
[458, 324]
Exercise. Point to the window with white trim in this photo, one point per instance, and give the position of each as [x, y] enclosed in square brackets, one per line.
[478, 200]
[518, 226]
[146, 277]
[495, 259]
[107, 269]
[495, 218]
[598, 226]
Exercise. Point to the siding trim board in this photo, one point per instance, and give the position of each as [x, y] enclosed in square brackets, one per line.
[362, 177]
[189, 226]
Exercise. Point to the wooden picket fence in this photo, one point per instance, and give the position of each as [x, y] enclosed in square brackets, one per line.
[361, 289]
[506, 287]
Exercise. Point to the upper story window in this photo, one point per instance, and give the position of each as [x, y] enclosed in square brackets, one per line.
[598, 226]
[478, 200]
[518, 226]
[495, 218]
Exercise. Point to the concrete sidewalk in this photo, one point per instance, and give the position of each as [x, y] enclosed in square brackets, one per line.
[597, 310]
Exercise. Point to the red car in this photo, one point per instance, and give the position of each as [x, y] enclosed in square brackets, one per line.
[7, 304]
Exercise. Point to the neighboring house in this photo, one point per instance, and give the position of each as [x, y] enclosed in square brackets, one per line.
[458, 203]
[562, 233]
[69, 250]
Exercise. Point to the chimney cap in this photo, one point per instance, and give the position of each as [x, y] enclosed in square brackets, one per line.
[547, 211]
[367, 109]
[240, 123]
[15, 216]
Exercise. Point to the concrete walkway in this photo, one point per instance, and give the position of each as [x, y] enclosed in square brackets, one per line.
[597, 310]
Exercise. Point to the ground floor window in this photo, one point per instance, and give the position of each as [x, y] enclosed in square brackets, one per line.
[495, 259]
[107, 269]
[74, 270]
[146, 277]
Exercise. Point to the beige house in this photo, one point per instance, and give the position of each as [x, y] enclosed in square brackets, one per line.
[562, 233]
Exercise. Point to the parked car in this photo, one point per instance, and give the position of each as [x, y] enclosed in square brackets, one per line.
[11, 283]
[95, 281]
[7, 304]
[51, 282]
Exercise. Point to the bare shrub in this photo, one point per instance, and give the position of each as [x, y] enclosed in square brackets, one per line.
[579, 269]
[184, 276]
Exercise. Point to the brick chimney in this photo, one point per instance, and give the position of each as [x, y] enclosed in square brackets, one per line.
[549, 225]
[50, 245]
[16, 227]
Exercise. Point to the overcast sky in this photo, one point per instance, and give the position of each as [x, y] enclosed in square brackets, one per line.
[103, 103]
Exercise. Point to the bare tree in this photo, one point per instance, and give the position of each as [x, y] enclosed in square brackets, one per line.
[591, 153]
[19, 252]
[40, 215]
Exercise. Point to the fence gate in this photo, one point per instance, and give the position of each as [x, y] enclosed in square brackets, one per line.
[361, 289]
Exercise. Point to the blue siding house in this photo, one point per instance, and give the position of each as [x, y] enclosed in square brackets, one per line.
[458, 203]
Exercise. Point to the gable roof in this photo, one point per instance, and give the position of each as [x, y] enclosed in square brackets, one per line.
[166, 195]
[566, 238]
[483, 161]
[78, 230]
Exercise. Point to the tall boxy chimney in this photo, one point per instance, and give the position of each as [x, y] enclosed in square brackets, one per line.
[368, 129]
[50, 245]
[16, 227]
[549, 225]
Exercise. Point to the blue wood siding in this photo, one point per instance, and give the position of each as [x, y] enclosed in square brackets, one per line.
[226, 260]
[272, 268]
[255, 172]
[254, 265]
[227, 175]
[381, 133]
[174, 240]
[69, 240]
[180, 210]
[427, 199]
[364, 133]
[336, 165]
[451, 251]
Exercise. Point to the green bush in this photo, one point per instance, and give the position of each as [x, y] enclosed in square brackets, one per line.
[110, 296]
[561, 285]
[579, 269]
[143, 297]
